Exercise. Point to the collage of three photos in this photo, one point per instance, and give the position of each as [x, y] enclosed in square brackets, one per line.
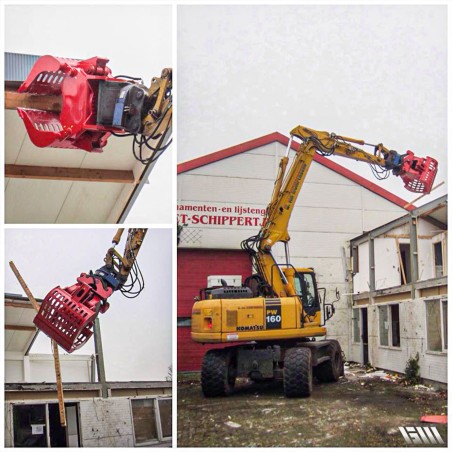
[206, 243]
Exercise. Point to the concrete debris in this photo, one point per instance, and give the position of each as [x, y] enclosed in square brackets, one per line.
[232, 424]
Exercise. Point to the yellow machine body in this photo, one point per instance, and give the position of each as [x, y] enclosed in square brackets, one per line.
[216, 320]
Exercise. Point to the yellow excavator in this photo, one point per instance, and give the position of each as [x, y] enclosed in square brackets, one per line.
[276, 316]
[67, 314]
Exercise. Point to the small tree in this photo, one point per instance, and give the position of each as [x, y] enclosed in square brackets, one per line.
[412, 368]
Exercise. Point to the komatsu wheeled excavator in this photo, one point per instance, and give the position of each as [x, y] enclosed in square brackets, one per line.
[276, 316]
[67, 314]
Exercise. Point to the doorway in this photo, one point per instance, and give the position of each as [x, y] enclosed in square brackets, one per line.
[39, 426]
[364, 336]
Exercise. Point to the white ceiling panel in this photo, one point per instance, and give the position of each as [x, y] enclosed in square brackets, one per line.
[56, 201]
[35, 201]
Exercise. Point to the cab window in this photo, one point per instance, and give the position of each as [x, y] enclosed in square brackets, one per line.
[305, 287]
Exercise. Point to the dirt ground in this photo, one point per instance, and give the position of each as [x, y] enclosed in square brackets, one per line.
[362, 409]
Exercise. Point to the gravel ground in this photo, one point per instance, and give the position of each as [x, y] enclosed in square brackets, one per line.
[361, 410]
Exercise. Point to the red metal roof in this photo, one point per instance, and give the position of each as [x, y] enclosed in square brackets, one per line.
[280, 138]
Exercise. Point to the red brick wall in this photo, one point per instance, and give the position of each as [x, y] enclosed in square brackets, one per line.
[193, 268]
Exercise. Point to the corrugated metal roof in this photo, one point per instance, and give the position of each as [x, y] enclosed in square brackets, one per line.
[18, 65]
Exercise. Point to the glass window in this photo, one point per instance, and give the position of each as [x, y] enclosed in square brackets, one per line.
[144, 420]
[305, 288]
[356, 331]
[384, 325]
[433, 310]
[438, 251]
[395, 325]
[165, 408]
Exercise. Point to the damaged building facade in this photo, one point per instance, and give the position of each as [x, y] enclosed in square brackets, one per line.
[98, 413]
[399, 287]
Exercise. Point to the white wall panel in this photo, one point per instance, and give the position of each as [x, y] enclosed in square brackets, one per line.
[371, 201]
[374, 218]
[224, 189]
[361, 279]
[387, 267]
[79, 208]
[334, 219]
[24, 200]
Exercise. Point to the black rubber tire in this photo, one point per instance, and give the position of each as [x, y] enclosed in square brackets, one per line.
[297, 372]
[217, 373]
[330, 371]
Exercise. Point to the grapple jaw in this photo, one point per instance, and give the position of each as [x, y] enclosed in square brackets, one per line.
[77, 84]
[417, 173]
[67, 315]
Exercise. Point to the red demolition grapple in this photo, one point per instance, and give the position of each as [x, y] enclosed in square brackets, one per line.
[418, 174]
[77, 83]
[67, 315]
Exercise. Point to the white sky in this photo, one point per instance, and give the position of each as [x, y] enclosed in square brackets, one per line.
[373, 72]
[136, 334]
[136, 39]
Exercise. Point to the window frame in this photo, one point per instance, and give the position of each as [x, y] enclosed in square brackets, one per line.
[442, 301]
[158, 421]
[388, 308]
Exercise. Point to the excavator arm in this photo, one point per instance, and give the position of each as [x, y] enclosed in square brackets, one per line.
[67, 314]
[417, 173]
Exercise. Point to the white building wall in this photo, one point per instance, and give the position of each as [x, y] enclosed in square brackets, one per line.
[106, 423]
[413, 334]
[38, 368]
[331, 209]
[387, 261]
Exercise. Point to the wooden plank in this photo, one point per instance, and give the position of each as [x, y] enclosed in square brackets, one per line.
[15, 100]
[59, 382]
[71, 174]
[24, 286]
[18, 304]
[54, 346]
[20, 328]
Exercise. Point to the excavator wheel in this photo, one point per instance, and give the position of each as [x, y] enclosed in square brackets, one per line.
[297, 372]
[217, 373]
[331, 370]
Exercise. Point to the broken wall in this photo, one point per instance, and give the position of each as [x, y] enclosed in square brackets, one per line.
[413, 339]
[106, 423]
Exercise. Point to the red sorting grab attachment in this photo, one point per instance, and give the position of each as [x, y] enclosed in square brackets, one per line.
[67, 315]
[418, 174]
[77, 83]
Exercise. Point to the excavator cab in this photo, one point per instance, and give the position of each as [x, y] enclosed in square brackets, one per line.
[306, 288]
